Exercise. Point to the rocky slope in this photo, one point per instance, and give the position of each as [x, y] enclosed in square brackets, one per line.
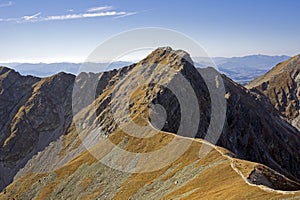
[34, 112]
[281, 86]
[253, 130]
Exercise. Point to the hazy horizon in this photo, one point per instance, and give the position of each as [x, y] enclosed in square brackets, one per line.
[133, 60]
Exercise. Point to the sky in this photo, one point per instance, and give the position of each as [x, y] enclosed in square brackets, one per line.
[69, 30]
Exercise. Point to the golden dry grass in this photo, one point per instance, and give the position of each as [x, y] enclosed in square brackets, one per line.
[219, 181]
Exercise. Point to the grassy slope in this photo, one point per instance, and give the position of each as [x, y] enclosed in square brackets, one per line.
[216, 176]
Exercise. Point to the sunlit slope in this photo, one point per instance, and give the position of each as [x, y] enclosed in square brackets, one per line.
[216, 176]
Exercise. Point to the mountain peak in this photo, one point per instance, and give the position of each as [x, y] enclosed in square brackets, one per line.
[168, 54]
[167, 48]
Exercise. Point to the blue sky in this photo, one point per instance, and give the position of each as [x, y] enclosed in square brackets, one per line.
[68, 30]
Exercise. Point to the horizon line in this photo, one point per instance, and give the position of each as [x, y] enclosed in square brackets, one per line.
[47, 61]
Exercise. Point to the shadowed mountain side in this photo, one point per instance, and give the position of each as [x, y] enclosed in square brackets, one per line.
[35, 113]
[281, 86]
[255, 131]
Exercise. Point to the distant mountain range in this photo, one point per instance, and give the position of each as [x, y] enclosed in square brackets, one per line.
[49, 69]
[240, 69]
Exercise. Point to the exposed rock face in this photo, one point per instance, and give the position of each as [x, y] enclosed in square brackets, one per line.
[262, 175]
[35, 112]
[93, 85]
[281, 85]
[253, 129]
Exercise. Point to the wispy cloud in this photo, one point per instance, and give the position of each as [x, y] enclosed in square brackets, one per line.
[83, 15]
[101, 8]
[131, 13]
[26, 18]
[6, 4]
[96, 12]
[126, 15]
[31, 17]
[9, 19]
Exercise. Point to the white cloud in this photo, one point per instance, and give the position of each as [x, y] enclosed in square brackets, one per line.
[101, 8]
[83, 15]
[39, 18]
[125, 15]
[7, 4]
[9, 20]
[31, 17]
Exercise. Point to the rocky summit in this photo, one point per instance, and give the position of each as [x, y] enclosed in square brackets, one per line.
[122, 134]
